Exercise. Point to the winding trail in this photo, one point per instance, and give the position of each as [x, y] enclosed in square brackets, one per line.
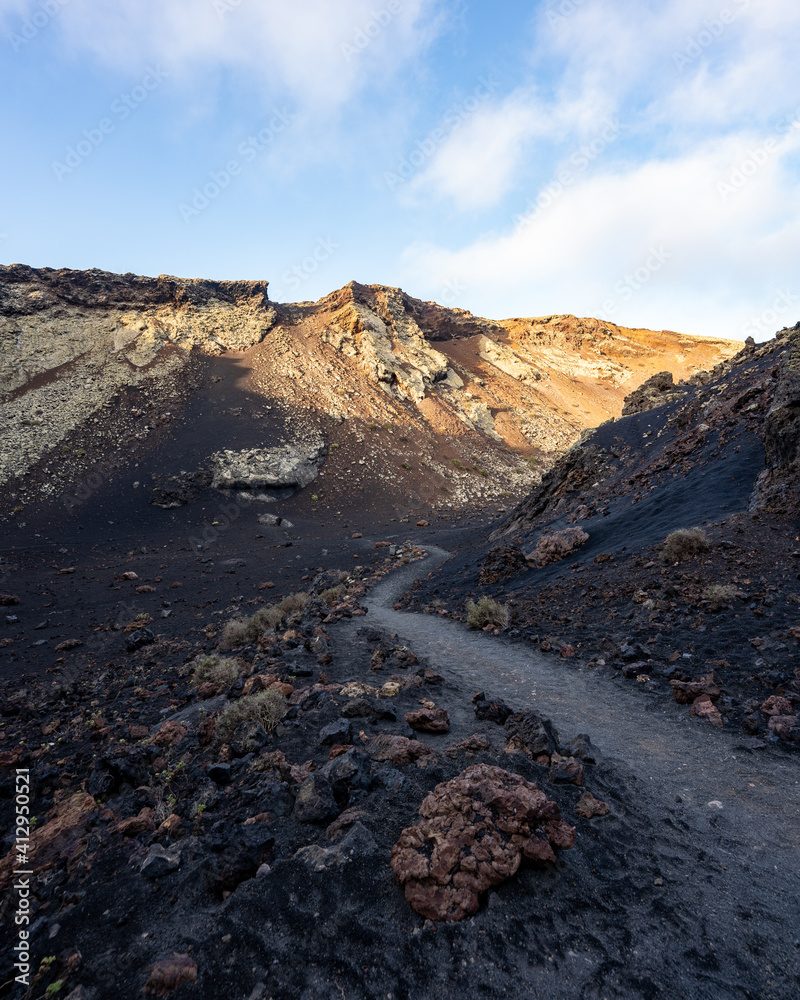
[678, 758]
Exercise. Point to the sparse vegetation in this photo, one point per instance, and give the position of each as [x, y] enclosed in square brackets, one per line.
[486, 611]
[720, 595]
[685, 543]
[456, 463]
[221, 671]
[234, 634]
[267, 708]
[406, 465]
[333, 594]
[243, 630]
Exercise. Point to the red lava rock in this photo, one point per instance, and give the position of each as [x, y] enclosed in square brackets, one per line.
[475, 832]
[170, 825]
[476, 743]
[66, 571]
[785, 727]
[399, 750]
[145, 589]
[545, 645]
[137, 732]
[588, 806]
[62, 647]
[777, 705]
[422, 524]
[169, 734]
[567, 651]
[429, 720]
[703, 707]
[565, 769]
[382, 545]
[208, 727]
[268, 585]
[337, 750]
[144, 822]
[61, 840]
[207, 690]
[7, 600]
[170, 973]
[129, 575]
[757, 643]
[686, 692]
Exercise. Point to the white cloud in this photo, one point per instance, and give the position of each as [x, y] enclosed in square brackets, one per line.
[718, 257]
[315, 52]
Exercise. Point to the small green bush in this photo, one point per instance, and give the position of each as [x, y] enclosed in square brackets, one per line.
[485, 612]
[685, 543]
[267, 708]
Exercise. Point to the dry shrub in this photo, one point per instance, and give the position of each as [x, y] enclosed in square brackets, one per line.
[234, 634]
[243, 630]
[333, 594]
[267, 708]
[685, 543]
[485, 612]
[720, 595]
[221, 671]
[554, 547]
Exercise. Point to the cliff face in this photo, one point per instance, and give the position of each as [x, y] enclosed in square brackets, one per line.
[505, 396]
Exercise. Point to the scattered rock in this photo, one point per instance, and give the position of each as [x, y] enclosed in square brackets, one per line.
[566, 770]
[7, 600]
[501, 563]
[248, 737]
[476, 743]
[399, 750]
[141, 637]
[338, 731]
[475, 832]
[685, 692]
[170, 973]
[588, 806]
[315, 802]
[429, 720]
[491, 711]
[160, 861]
[536, 732]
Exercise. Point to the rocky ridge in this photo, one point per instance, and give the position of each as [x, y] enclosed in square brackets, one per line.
[460, 406]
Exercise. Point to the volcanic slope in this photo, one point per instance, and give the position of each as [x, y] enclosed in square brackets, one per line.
[588, 565]
[391, 395]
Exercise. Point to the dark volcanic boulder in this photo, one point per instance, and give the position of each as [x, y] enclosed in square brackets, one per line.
[536, 732]
[475, 832]
[658, 389]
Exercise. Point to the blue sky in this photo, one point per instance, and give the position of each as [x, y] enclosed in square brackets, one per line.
[633, 160]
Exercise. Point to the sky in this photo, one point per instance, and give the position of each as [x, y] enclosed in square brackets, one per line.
[634, 160]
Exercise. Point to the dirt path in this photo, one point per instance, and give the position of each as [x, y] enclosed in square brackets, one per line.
[682, 763]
